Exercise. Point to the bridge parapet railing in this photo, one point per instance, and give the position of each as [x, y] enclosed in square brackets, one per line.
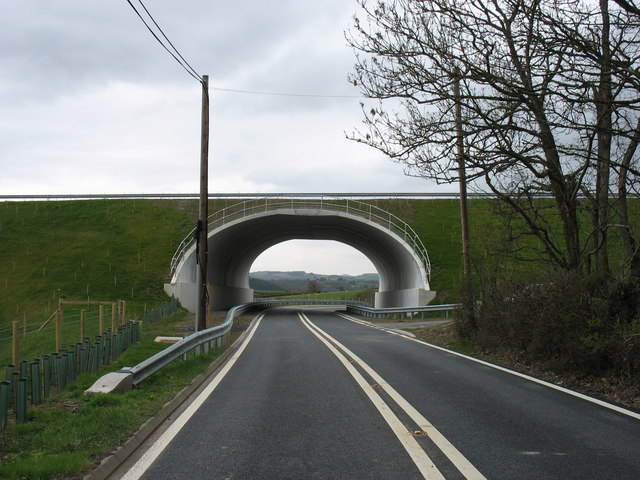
[364, 210]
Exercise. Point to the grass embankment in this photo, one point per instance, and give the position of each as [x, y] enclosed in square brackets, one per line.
[121, 249]
[70, 434]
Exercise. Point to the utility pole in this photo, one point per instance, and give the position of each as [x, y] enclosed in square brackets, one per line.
[201, 228]
[464, 214]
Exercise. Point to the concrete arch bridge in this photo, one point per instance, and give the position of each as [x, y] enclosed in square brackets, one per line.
[238, 234]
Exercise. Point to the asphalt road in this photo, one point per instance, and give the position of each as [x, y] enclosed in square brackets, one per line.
[319, 396]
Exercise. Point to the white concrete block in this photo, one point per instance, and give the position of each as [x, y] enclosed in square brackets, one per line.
[112, 382]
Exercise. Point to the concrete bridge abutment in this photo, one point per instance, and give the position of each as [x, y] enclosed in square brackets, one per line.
[237, 237]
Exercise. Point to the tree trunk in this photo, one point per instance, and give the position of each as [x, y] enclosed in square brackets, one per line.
[603, 130]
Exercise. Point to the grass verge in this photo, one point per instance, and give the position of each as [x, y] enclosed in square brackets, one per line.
[69, 435]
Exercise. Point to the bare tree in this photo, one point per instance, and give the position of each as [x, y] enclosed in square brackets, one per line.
[541, 111]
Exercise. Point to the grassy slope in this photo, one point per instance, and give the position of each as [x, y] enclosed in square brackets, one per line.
[71, 434]
[121, 249]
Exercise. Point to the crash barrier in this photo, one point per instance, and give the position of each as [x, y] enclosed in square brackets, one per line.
[217, 335]
[203, 340]
[38, 379]
[272, 302]
[402, 312]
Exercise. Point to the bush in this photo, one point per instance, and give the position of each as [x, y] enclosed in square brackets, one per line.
[567, 321]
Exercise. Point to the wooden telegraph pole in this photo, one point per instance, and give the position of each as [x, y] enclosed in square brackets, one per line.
[464, 214]
[201, 229]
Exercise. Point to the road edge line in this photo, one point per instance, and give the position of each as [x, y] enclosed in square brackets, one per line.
[152, 453]
[582, 396]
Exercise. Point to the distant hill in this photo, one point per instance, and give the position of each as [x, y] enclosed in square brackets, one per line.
[264, 285]
[299, 281]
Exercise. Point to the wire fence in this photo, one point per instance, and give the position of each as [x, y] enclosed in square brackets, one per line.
[30, 382]
[67, 332]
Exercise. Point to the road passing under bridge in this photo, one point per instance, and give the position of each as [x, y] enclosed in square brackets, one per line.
[322, 395]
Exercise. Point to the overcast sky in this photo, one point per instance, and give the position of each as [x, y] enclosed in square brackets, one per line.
[91, 103]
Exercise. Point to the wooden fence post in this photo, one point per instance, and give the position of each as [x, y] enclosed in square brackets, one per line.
[114, 325]
[16, 342]
[83, 324]
[123, 319]
[101, 321]
[59, 330]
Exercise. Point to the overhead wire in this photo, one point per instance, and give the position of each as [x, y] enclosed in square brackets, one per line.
[188, 68]
[178, 57]
[167, 39]
[284, 94]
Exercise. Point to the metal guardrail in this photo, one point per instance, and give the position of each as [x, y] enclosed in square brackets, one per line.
[268, 303]
[363, 210]
[385, 312]
[209, 338]
[219, 333]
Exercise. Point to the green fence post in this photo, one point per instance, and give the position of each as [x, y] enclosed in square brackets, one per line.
[5, 393]
[8, 376]
[23, 369]
[107, 349]
[61, 373]
[54, 369]
[92, 358]
[46, 372]
[98, 352]
[83, 359]
[114, 346]
[5, 398]
[35, 382]
[127, 336]
[73, 360]
[71, 365]
[21, 402]
[14, 388]
[96, 358]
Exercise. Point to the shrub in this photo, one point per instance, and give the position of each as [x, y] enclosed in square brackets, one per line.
[581, 323]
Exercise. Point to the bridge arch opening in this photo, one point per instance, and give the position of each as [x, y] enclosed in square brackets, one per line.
[326, 257]
[295, 266]
[239, 235]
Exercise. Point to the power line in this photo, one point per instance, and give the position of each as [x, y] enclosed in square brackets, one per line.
[284, 94]
[181, 61]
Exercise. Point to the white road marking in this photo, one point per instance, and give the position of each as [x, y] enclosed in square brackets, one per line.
[573, 393]
[425, 465]
[157, 448]
[463, 465]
